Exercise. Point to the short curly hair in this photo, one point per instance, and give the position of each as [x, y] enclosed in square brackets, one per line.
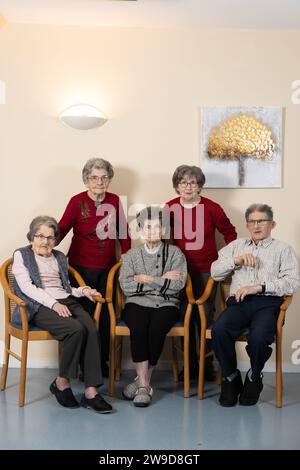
[259, 208]
[98, 164]
[36, 223]
[183, 170]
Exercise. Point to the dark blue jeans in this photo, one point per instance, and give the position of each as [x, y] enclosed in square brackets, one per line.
[256, 313]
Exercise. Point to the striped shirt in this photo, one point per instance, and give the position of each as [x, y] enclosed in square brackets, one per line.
[276, 266]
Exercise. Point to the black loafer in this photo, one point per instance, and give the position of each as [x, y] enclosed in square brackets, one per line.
[64, 397]
[97, 404]
[251, 391]
[230, 391]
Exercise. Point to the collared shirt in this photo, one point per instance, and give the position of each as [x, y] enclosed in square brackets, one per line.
[276, 266]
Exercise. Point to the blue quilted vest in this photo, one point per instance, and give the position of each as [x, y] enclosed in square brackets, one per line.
[32, 305]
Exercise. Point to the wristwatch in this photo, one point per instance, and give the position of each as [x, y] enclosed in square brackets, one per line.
[263, 288]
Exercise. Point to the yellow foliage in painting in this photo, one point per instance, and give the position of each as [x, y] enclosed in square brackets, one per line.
[241, 136]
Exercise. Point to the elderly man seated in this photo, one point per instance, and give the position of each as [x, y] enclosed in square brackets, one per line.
[263, 271]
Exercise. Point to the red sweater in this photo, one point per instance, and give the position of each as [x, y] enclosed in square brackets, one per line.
[87, 249]
[183, 223]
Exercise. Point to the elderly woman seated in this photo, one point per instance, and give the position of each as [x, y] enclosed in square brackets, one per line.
[151, 278]
[41, 280]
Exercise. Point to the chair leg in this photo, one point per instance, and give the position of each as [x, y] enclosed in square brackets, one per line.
[5, 362]
[201, 367]
[111, 377]
[23, 372]
[186, 367]
[174, 360]
[278, 371]
[119, 357]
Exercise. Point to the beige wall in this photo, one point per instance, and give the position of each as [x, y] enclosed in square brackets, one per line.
[151, 84]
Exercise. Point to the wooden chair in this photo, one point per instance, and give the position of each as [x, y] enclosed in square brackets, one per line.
[26, 332]
[206, 334]
[118, 329]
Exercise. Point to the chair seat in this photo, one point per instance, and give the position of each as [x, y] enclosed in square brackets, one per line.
[31, 327]
[178, 324]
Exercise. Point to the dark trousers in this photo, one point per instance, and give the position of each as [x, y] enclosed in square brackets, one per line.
[79, 339]
[199, 281]
[96, 279]
[256, 313]
[148, 329]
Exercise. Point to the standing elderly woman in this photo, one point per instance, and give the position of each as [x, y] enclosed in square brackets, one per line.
[194, 220]
[97, 219]
[41, 280]
[151, 278]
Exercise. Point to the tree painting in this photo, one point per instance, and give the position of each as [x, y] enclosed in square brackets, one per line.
[240, 137]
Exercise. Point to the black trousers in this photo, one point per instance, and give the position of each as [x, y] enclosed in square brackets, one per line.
[96, 279]
[199, 281]
[148, 329]
[259, 314]
[79, 337]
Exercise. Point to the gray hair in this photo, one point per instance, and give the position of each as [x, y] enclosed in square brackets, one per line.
[98, 164]
[259, 208]
[183, 170]
[153, 213]
[42, 220]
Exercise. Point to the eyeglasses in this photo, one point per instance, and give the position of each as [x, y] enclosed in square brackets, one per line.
[185, 184]
[96, 179]
[258, 222]
[40, 237]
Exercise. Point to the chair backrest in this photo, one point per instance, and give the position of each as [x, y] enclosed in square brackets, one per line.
[7, 281]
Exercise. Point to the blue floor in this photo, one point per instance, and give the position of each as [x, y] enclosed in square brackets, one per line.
[171, 422]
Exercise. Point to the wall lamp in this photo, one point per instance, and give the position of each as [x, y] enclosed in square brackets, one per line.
[83, 117]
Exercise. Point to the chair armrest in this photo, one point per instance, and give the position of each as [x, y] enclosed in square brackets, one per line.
[110, 282]
[14, 298]
[283, 309]
[206, 294]
[189, 290]
[207, 291]
[77, 277]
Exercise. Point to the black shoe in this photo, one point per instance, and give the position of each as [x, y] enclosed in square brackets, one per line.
[97, 404]
[105, 369]
[231, 390]
[251, 391]
[64, 397]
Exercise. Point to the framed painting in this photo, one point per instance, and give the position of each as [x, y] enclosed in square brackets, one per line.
[241, 147]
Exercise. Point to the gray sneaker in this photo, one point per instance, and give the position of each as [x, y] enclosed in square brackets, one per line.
[131, 389]
[143, 397]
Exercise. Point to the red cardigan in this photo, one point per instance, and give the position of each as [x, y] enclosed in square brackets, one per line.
[200, 260]
[87, 249]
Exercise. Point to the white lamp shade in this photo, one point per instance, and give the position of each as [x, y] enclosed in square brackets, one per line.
[83, 117]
